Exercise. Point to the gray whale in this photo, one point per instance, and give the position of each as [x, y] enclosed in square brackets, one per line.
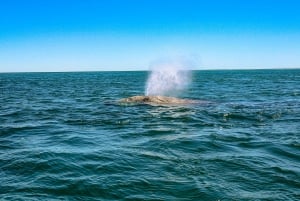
[158, 100]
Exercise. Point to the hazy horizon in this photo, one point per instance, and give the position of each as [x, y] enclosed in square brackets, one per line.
[146, 70]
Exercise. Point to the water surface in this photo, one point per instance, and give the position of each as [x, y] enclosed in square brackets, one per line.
[63, 136]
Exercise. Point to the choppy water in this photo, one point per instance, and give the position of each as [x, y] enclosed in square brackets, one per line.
[64, 137]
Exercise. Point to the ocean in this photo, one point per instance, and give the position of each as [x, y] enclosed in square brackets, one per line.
[65, 136]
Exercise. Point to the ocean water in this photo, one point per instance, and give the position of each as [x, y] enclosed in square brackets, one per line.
[64, 136]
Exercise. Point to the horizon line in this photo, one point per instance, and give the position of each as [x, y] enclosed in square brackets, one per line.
[144, 70]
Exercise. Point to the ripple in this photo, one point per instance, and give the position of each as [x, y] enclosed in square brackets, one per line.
[64, 137]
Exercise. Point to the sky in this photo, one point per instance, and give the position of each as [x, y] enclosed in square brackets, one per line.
[108, 35]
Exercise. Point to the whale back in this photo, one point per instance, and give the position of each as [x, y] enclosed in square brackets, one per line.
[156, 100]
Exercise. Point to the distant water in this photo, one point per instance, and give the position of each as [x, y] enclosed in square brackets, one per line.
[63, 136]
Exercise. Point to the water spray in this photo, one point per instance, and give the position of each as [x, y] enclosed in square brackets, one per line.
[168, 78]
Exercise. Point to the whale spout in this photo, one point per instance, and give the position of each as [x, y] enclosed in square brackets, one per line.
[161, 100]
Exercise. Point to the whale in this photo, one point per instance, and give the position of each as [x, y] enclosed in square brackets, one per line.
[159, 100]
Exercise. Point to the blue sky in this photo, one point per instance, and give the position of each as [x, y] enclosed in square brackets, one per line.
[52, 35]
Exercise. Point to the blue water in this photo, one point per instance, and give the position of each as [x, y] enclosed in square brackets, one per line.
[64, 136]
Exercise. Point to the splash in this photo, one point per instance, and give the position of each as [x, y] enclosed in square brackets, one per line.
[168, 78]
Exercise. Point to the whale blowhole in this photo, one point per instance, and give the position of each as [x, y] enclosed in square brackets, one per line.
[167, 80]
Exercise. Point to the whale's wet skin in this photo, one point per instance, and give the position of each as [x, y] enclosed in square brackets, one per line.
[160, 100]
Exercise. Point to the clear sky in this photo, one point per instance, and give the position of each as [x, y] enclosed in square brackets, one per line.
[83, 35]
